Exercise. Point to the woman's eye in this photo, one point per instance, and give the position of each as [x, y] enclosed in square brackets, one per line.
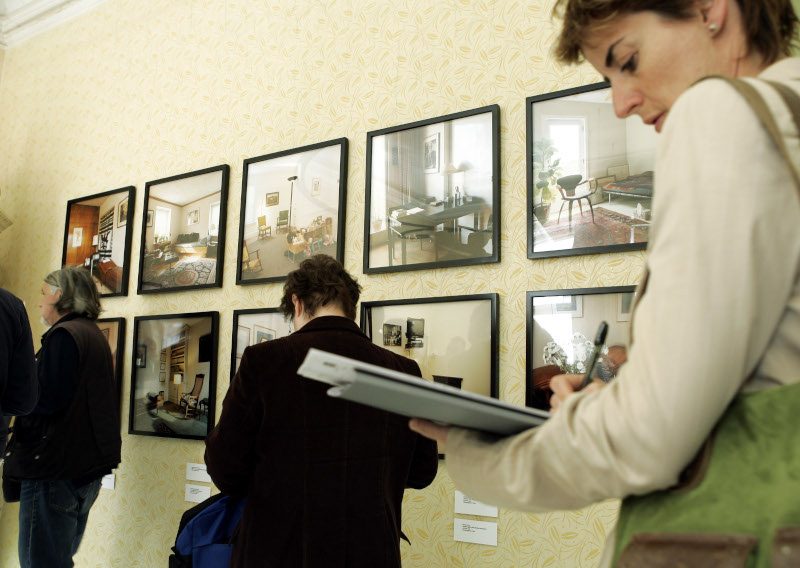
[630, 64]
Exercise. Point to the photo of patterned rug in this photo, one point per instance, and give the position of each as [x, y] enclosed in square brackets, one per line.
[188, 272]
[609, 228]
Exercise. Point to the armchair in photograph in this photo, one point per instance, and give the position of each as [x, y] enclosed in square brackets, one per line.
[567, 187]
[251, 261]
[283, 221]
[190, 399]
[156, 401]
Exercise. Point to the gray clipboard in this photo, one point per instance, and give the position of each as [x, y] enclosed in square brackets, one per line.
[411, 396]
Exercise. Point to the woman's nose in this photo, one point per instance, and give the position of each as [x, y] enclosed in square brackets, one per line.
[626, 101]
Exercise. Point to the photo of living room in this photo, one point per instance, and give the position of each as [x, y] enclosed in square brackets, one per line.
[431, 191]
[173, 378]
[183, 230]
[561, 328]
[254, 326]
[590, 174]
[292, 208]
[452, 339]
[96, 237]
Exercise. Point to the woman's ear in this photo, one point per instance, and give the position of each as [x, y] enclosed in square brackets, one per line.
[714, 14]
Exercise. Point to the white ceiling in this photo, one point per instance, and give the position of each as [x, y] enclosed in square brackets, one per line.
[23, 19]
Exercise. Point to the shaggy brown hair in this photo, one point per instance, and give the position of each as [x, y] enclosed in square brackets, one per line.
[769, 25]
[319, 281]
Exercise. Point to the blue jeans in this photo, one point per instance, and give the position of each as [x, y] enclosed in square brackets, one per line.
[52, 518]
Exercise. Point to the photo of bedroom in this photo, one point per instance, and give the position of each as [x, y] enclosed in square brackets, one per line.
[431, 193]
[173, 376]
[292, 208]
[590, 175]
[254, 326]
[453, 339]
[97, 237]
[561, 328]
[183, 231]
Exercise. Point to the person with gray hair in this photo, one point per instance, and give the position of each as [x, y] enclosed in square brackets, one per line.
[59, 453]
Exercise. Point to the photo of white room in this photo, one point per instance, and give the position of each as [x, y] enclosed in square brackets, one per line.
[251, 327]
[181, 233]
[451, 341]
[592, 174]
[430, 194]
[173, 376]
[563, 327]
[290, 210]
[97, 238]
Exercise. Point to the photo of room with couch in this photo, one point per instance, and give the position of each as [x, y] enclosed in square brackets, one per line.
[431, 194]
[591, 176]
[97, 238]
[562, 326]
[254, 326]
[173, 375]
[292, 209]
[183, 230]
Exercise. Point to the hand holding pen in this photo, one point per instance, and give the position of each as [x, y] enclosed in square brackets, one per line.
[599, 342]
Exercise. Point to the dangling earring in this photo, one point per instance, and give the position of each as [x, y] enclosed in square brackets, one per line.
[712, 28]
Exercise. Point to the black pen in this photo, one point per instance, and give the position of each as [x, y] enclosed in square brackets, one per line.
[599, 341]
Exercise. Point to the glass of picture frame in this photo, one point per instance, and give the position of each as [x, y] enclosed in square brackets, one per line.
[113, 329]
[254, 326]
[293, 207]
[590, 174]
[561, 326]
[183, 248]
[179, 402]
[96, 236]
[433, 193]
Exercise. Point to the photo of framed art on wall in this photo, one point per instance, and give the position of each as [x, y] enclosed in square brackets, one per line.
[178, 402]
[183, 248]
[590, 174]
[254, 326]
[293, 206]
[113, 329]
[561, 327]
[433, 193]
[93, 239]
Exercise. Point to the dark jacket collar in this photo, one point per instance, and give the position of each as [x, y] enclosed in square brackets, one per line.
[70, 316]
[331, 323]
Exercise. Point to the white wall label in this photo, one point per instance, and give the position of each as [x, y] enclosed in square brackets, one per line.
[467, 506]
[479, 532]
[197, 493]
[197, 472]
[108, 481]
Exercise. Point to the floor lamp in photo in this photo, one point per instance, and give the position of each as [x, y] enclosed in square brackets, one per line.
[291, 195]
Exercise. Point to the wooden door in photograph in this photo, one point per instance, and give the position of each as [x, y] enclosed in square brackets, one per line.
[87, 219]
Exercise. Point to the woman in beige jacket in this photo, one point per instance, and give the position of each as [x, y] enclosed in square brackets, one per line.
[721, 313]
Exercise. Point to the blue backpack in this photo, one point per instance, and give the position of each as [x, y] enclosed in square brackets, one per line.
[205, 533]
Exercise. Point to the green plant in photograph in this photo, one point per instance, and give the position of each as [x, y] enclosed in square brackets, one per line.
[545, 170]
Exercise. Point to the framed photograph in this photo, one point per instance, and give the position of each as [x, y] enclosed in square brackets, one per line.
[392, 335]
[181, 401]
[141, 356]
[254, 326]
[163, 366]
[113, 329]
[91, 240]
[624, 306]
[561, 327]
[184, 247]
[590, 174]
[150, 218]
[304, 217]
[163, 355]
[448, 214]
[122, 214]
[431, 153]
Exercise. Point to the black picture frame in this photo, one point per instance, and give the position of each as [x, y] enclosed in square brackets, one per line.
[311, 183]
[192, 260]
[168, 417]
[108, 256]
[113, 330]
[584, 309]
[574, 133]
[245, 324]
[416, 196]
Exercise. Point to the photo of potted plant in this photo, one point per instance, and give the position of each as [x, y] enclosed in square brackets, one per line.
[546, 172]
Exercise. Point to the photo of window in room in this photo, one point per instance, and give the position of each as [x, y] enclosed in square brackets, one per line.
[292, 208]
[433, 193]
[183, 246]
[590, 175]
[561, 328]
[254, 326]
[174, 393]
[93, 239]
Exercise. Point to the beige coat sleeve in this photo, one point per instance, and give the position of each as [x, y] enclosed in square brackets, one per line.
[723, 256]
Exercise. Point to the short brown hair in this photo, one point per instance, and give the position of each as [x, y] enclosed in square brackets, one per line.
[78, 291]
[769, 25]
[319, 281]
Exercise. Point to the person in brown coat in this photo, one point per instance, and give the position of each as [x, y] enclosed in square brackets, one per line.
[324, 478]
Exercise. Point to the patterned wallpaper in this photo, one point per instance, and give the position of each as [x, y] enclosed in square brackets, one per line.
[140, 90]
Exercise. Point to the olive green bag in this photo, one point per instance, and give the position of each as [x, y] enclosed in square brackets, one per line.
[738, 503]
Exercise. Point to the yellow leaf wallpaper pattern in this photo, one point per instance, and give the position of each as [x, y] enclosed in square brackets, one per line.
[140, 90]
